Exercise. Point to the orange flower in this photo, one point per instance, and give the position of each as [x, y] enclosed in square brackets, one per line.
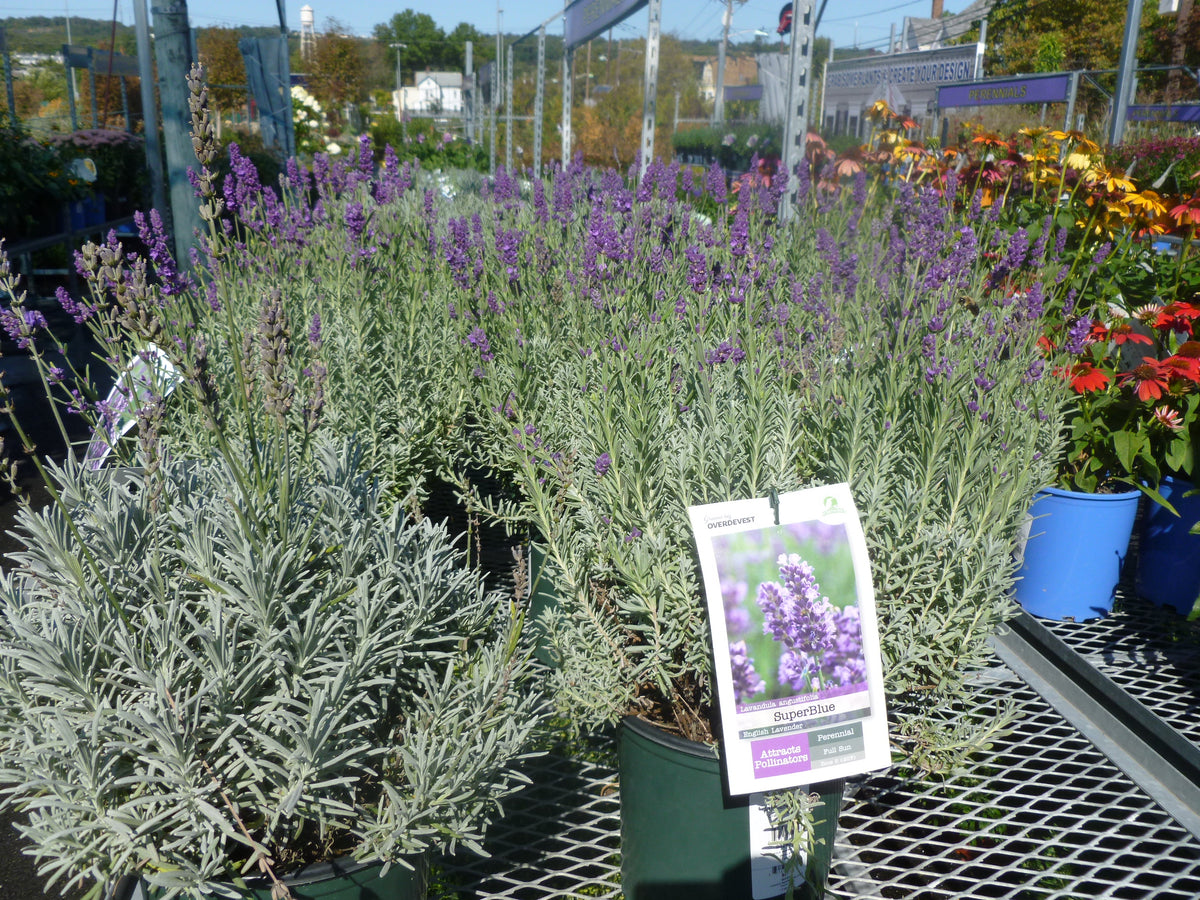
[1123, 333]
[1150, 380]
[1185, 367]
[847, 166]
[989, 139]
[1187, 212]
[1176, 317]
[1085, 377]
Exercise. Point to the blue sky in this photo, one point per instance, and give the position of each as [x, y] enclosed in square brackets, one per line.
[865, 22]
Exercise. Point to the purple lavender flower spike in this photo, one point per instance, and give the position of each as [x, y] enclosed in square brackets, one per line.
[603, 463]
[746, 681]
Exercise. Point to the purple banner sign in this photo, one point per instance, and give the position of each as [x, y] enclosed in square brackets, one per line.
[1187, 112]
[584, 19]
[744, 92]
[1032, 89]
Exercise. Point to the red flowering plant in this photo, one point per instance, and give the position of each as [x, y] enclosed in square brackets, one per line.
[1136, 377]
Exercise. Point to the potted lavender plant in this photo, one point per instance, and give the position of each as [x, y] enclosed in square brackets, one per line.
[240, 665]
[679, 377]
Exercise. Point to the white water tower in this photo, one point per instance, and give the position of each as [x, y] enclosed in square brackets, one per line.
[308, 35]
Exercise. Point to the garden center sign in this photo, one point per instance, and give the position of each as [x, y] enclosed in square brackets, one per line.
[585, 19]
[909, 82]
[582, 21]
[1033, 89]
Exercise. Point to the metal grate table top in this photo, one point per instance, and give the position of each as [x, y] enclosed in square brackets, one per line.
[1150, 651]
[1041, 814]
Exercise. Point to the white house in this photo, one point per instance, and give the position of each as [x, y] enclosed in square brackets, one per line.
[434, 92]
[940, 30]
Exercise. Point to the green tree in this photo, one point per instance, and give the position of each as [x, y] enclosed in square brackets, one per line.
[1089, 32]
[424, 42]
[220, 54]
[337, 70]
[483, 50]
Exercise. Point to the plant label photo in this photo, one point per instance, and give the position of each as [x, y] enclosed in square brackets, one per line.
[796, 639]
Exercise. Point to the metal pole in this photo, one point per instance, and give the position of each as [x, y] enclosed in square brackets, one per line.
[508, 88]
[285, 73]
[795, 130]
[1125, 73]
[66, 52]
[824, 79]
[497, 75]
[650, 100]
[172, 48]
[158, 196]
[719, 98]
[568, 98]
[539, 103]
[8, 79]
[979, 50]
[1072, 92]
[73, 88]
[399, 48]
[469, 92]
[92, 85]
[125, 104]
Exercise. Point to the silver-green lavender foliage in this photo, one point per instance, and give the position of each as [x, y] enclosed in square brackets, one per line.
[209, 682]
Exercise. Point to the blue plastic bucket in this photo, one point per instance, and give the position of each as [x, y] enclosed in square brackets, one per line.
[1076, 548]
[1168, 571]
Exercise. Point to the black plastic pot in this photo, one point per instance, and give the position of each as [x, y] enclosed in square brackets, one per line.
[682, 836]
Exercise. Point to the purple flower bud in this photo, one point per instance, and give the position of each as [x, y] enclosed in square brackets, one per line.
[603, 463]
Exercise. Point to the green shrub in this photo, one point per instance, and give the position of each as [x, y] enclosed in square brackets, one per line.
[120, 159]
[731, 145]
[425, 141]
[35, 180]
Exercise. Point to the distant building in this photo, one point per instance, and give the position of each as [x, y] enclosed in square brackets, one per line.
[23, 62]
[433, 92]
[940, 31]
[739, 70]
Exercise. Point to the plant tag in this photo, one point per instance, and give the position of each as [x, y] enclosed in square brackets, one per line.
[792, 618]
[149, 372]
[766, 861]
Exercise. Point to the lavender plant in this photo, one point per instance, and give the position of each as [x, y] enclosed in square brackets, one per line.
[611, 357]
[280, 666]
[680, 362]
[244, 683]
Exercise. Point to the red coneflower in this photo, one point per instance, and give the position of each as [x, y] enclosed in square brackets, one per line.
[1150, 380]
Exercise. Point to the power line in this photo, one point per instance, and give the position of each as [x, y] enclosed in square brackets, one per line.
[876, 12]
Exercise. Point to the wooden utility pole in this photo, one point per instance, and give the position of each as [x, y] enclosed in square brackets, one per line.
[1183, 26]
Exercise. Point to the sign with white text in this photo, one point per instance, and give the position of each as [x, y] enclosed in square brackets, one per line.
[1006, 91]
[792, 616]
[915, 77]
[584, 19]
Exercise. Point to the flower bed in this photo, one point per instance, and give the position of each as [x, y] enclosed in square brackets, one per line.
[607, 356]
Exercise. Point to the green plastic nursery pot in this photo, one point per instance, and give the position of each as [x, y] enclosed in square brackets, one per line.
[339, 879]
[542, 600]
[682, 836]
